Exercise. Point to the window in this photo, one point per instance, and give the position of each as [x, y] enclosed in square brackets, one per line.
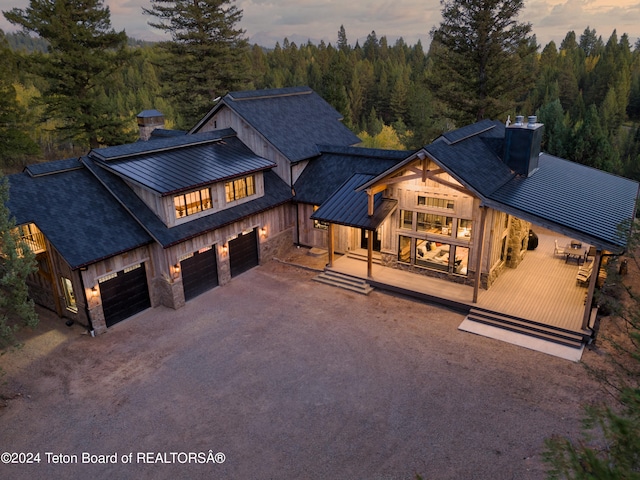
[406, 219]
[240, 188]
[318, 223]
[464, 228]
[69, 296]
[435, 202]
[431, 223]
[404, 250]
[192, 202]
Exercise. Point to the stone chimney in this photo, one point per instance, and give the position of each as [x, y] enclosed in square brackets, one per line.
[522, 145]
[148, 121]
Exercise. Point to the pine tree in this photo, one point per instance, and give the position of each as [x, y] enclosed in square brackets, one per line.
[84, 52]
[17, 262]
[479, 53]
[16, 145]
[205, 56]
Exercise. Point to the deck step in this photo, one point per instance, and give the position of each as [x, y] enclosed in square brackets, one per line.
[362, 255]
[346, 282]
[549, 333]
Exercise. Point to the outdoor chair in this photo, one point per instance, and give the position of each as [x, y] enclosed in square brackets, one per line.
[558, 250]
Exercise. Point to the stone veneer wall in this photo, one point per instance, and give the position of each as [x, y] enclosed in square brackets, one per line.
[517, 242]
[274, 247]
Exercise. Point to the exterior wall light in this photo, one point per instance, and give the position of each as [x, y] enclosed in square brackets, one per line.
[263, 231]
[94, 291]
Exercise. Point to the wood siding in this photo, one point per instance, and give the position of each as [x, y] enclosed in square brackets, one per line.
[227, 118]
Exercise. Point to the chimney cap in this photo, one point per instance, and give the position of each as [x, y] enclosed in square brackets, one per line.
[533, 120]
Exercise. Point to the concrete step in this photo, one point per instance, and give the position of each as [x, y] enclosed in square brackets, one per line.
[549, 333]
[346, 282]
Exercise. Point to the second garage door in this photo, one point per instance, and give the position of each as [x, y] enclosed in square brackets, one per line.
[199, 273]
[124, 294]
[243, 252]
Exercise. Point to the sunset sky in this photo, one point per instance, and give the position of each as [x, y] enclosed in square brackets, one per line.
[266, 21]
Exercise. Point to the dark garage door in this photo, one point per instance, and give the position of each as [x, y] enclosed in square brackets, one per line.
[125, 294]
[243, 252]
[199, 273]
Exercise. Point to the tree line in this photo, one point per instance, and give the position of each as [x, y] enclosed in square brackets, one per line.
[586, 91]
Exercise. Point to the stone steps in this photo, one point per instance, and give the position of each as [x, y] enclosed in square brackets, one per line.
[343, 281]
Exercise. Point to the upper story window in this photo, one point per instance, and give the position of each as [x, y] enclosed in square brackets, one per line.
[435, 202]
[192, 202]
[240, 188]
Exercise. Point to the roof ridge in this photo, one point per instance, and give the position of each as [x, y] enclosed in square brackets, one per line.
[269, 93]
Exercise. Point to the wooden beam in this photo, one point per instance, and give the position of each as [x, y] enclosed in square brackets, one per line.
[330, 245]
[446, 183]
[479, 249]
[591, 290]
[370, 203]
[370, 254]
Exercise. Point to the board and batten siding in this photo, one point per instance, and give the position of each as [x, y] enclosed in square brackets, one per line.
[227, 118]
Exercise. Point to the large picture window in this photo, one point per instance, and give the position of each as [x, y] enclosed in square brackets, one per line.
[240, 188]
[431, 223]
[192, 202]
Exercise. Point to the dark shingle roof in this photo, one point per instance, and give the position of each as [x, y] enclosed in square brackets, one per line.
[172, 170]
[276, 193]
[474, 159]
[348, 207]
[77, 215]
[335, 165]
[294, 120]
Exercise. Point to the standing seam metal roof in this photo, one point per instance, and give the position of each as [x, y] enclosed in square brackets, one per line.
[349, 207]
[174, 170]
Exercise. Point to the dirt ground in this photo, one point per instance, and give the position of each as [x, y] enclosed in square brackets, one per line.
[289, 379]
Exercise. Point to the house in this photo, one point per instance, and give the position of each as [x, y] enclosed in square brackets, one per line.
[463, 209]
[158, 222]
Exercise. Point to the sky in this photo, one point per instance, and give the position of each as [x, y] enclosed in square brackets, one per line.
[268, 21]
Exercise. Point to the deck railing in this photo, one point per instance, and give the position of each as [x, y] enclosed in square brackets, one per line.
[35, 242]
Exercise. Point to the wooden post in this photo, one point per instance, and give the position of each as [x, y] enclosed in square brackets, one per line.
[479, 249]
[592, 288]
[370, 255]
[330, 245]
[370, 204]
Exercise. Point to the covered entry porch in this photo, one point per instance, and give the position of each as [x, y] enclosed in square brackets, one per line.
[542, 289]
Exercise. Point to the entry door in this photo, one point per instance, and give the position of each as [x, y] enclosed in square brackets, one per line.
[243, 252]
[125, 294]
[364, 240]
[199, 273]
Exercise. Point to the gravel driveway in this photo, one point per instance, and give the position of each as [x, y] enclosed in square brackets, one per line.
[289, 379]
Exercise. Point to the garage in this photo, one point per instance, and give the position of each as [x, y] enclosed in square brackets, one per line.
[243, 252]
[124, 293]
[199, 273]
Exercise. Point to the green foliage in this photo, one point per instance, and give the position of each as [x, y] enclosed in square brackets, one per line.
[480, 54]
[206, 56]
[16, 146]
[17, 262]
[83, 53]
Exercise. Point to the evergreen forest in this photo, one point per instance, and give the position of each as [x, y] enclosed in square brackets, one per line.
[586, 91]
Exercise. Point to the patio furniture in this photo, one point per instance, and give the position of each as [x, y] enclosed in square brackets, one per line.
[584, 274]
[558, 250]
[573, 251]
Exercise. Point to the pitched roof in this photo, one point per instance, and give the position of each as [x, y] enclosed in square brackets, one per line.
[276, 192]
[335, 165]
[579, 201]
[294, 120]
[592, 203]
[76, 214]
[348, 206]
[185, 166]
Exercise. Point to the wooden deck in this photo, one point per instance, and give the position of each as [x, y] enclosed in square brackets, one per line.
[542, 288]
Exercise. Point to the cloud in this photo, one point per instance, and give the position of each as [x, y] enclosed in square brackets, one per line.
[411, 19]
